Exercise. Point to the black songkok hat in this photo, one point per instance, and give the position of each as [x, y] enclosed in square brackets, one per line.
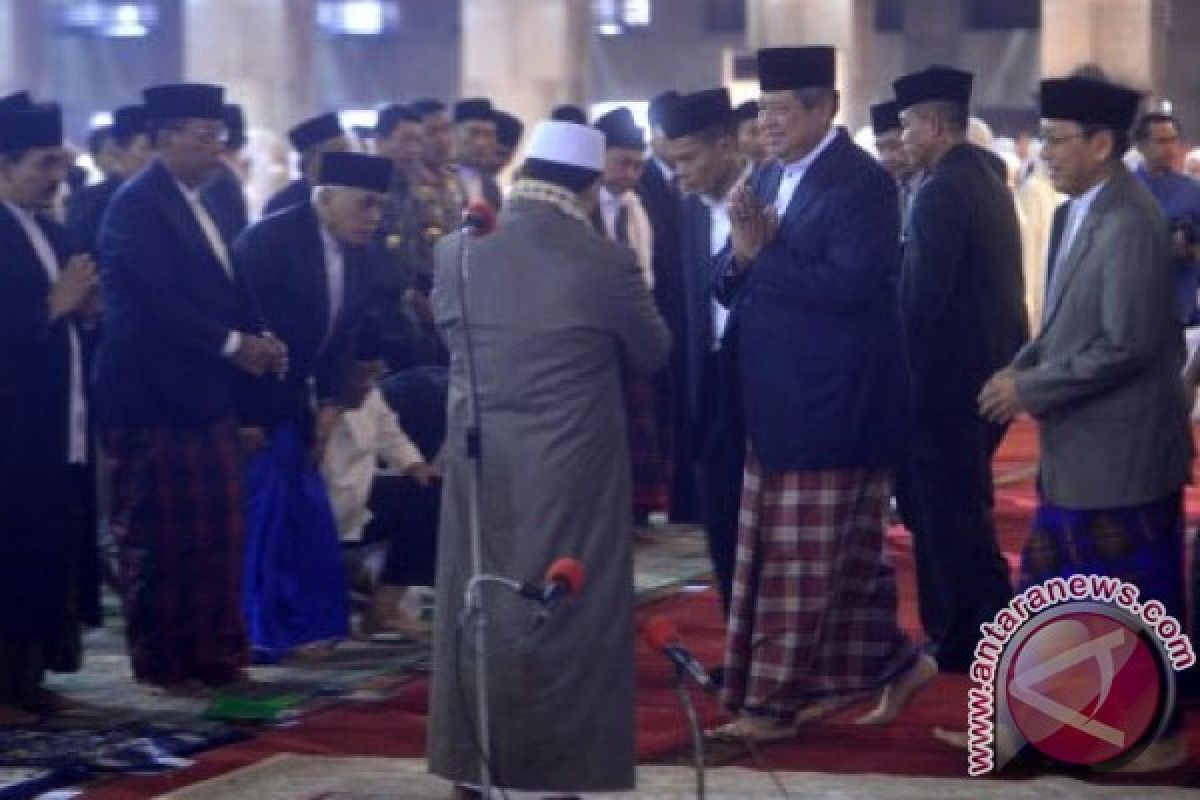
[391, 115]
[16, 101]
[235, 126]
[569, 113]
[473, 108]
[1089, 102]
[746, 111]
[36, 126]
[656, 112]
[620, 130]
[508, 129]
[315, 130]
[185, 101]
[129, 121]
[693, 113]
[782, 68]
[936, 84]
[356, 171]
[426, 106]
[885, 117]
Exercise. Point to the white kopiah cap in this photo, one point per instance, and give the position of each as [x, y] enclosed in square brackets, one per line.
[567, 143]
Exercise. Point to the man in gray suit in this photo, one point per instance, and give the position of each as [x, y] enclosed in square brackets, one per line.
[552, 313]
[1102, 378]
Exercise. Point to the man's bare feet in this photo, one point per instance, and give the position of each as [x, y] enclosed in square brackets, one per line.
[753, 728]
[897, 693]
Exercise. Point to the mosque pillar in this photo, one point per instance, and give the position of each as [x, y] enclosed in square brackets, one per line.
[1126, 38]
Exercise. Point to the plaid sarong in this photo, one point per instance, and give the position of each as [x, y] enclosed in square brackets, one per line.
[813, 618]
[176, 517]
[1142, 545]
[647, 409]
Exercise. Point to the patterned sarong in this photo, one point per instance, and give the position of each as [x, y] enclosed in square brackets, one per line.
[176, 517]
[1140, 544]
[813, 618]
[648, 411]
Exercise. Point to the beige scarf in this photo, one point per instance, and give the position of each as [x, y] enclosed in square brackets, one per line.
[562, 199]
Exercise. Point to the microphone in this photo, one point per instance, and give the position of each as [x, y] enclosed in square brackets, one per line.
[662, 635]
[479, 218]
[563, 578]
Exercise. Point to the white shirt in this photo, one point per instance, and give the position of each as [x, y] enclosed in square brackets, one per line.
[335, 277]
[638, 227]
[77, 405]
[360, 439]
[213, 234]
[472, 181]
[794, 172]
[719, 228]
[1076, 213]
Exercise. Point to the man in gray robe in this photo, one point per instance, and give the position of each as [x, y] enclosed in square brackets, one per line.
[554, 312]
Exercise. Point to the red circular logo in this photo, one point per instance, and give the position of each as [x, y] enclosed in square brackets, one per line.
[1084, 687]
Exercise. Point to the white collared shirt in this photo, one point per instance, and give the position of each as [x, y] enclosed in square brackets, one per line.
[335, 278]
[211, 231]
[472, 181]
[794, 172]
[360, 439]
[1077, 211]
[77, 405]
[719, 228]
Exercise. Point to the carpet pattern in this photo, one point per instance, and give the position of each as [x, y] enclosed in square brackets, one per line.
[290, 777]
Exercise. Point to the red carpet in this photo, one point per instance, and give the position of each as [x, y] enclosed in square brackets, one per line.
[397, 727]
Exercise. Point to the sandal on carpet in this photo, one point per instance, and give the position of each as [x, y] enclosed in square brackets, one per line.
[392, 626]
[754, 729]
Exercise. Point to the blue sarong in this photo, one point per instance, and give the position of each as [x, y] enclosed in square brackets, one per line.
[294, 591]
[1142, 545]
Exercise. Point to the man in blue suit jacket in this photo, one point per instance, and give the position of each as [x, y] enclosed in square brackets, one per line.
[311, 139]
[811, 283]
[304, 274]
[176, 332]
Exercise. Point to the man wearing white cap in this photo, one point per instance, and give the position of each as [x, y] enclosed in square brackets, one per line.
[555, 311]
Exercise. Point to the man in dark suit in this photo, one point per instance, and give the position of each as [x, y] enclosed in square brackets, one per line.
[662, 201]
[509, 130]
[304, 275]
[311, 139]
[176, 333]
[475, 151]
[703, 136]
[131, 147]
[47, 301]
[962, 300]
[810, 282]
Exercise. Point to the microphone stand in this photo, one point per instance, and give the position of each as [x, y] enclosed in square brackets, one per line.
[473, 598]
[689, 709]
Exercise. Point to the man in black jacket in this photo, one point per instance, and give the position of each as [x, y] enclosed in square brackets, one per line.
[311, 139]
[962, 304]
[703, 132]
[304, 275]
[131, 151]
[47, 301]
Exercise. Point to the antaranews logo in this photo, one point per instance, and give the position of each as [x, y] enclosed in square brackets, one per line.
[1078, 668]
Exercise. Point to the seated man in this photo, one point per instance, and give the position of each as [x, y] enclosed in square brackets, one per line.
[370, 506]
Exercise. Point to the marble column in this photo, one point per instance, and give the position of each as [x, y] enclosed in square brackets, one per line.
[847, 25]
[1126, 38]
[933, 33]
[24, 36]
[259, 50]
[527, 55]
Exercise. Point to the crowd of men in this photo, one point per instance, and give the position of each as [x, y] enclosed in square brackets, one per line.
[747, 320]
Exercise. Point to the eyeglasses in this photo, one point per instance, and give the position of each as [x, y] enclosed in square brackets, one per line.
[1056, 141]
[205, 135]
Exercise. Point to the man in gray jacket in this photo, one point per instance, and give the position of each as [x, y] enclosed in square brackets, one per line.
[1102, 378]
[547, 316]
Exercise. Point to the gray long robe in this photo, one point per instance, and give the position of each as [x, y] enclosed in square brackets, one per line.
[554, 311]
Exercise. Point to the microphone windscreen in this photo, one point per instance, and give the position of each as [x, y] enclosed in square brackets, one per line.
[660, 632]
[482, 217]
[567, 571]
